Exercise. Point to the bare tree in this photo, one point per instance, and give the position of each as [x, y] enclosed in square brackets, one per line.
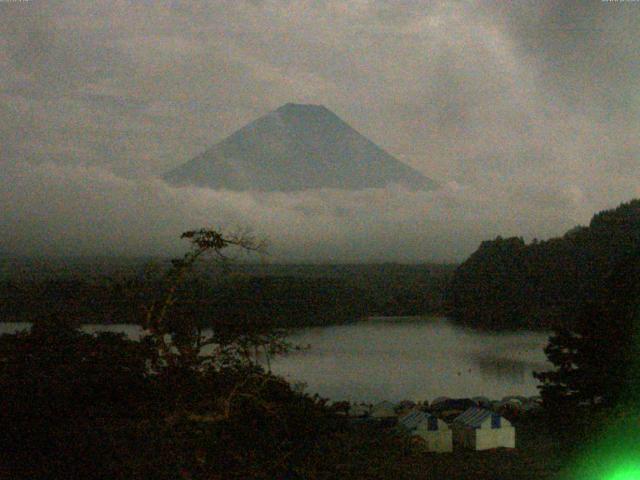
[183, 345]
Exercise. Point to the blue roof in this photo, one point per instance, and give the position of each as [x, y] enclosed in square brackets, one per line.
[473, 417]
[411, 420]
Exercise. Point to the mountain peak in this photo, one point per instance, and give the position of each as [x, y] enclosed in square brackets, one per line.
[303, 109]
[300, 106]
[297, 147]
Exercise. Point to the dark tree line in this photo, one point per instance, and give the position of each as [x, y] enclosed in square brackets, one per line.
[509, 284]
[596, 357]
[283, 295]
[596, 377]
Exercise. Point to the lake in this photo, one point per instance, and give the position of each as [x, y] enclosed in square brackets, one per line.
[413, 358]
[399, 358]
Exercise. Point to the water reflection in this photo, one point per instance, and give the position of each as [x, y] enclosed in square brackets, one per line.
[510, 369]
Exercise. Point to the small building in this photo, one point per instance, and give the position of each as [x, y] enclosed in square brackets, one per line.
[358, 410]
[436, 434]
[383, 410]
[480, 429]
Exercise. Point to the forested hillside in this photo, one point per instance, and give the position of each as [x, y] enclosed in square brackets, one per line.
[509, 284]
[284, 295]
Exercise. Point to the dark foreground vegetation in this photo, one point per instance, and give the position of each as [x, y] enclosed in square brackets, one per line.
[509, 284]
[77, 406]
[80, 406]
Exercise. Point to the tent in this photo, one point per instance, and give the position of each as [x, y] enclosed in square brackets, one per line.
[383, 410]
[480, 429]
[436, 434]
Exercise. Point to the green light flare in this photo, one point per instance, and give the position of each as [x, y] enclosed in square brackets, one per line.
[626, 472]
[615, 456]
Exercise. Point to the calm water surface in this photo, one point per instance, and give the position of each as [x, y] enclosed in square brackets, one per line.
[415, 358]
[397, 358]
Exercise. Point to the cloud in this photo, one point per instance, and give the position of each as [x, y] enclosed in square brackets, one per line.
[528, 111]
[54, 209]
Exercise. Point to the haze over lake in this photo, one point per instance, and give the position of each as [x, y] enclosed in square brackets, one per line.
[394, 358]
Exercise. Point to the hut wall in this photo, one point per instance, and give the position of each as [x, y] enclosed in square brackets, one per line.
[464, 437]
[440, 441]
[487, 438]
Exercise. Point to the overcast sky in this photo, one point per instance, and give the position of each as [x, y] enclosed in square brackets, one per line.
[526, 112]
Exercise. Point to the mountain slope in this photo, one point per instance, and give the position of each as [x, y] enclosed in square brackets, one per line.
[296, 147]
[509, 284]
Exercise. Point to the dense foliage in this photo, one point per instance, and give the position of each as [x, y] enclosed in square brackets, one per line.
[509, 284]
[75, 405]
[285, 295]
[61, 390]
[597, 360]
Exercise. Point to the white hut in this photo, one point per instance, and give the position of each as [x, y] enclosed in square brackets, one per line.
[435, 433]
[358, 410]
[480, 429]
[383, 410]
